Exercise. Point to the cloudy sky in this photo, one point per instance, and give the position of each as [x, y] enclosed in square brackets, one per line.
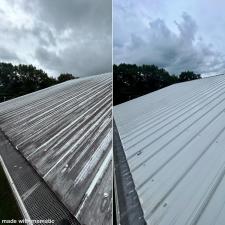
[58, 36]
[177, 34]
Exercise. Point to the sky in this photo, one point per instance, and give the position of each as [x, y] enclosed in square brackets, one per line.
[177, 35]
[72, 36]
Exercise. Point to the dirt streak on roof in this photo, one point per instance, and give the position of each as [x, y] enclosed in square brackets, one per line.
[65, 133]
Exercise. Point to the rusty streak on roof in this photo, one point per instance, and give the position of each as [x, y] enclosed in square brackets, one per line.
[174, 142]
[65, 133]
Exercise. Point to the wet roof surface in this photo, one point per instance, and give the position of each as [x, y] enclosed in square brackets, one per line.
[174, 142]
[65, 134]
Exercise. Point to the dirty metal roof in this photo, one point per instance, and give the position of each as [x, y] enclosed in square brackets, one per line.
[174, 142]
[35, 199]
[65, 132]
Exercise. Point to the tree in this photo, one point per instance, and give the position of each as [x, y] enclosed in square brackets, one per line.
[65, 76]
[17, 80]
[188, 75]
[33, 79]
[131, 81]
[22, 79]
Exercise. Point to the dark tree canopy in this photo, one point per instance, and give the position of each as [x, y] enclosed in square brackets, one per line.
[131, 81]
[65, 76]
[188, 75]
[17, 80]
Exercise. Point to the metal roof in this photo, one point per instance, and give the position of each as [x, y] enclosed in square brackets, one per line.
[65, 132]
[127, 206]
[35, 199]
[174, 142]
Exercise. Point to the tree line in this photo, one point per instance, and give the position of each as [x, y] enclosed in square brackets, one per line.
[131, 81]
[17, 80]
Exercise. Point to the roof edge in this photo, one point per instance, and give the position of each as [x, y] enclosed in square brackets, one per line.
[128, 207]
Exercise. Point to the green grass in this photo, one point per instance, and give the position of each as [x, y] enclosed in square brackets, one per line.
[8, 205]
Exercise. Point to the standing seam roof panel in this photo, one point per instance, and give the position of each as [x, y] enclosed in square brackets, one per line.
[65, 133]
[174, 143]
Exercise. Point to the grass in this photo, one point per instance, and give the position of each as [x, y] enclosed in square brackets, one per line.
[8, 206]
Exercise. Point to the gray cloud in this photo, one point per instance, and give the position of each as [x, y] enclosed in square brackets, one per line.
[59, 36]
[43, 33]
[152, 41]
[7, 55]
[94, 62]
[86, 15]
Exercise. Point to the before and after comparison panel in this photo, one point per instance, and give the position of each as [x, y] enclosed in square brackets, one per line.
[112, 112]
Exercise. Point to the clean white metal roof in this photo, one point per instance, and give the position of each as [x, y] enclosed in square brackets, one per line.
[174, 142]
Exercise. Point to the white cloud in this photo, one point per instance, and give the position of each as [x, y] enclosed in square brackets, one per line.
[155, 32]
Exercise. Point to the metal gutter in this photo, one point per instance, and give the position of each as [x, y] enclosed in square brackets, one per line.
[128, 208]
[16, 194]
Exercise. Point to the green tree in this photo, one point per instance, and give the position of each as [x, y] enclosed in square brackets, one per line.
[131, 81]
[22, 79]
[65, 76]
[188, 75]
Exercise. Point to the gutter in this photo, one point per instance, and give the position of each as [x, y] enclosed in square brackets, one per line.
[16, 194]
[128, 207]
